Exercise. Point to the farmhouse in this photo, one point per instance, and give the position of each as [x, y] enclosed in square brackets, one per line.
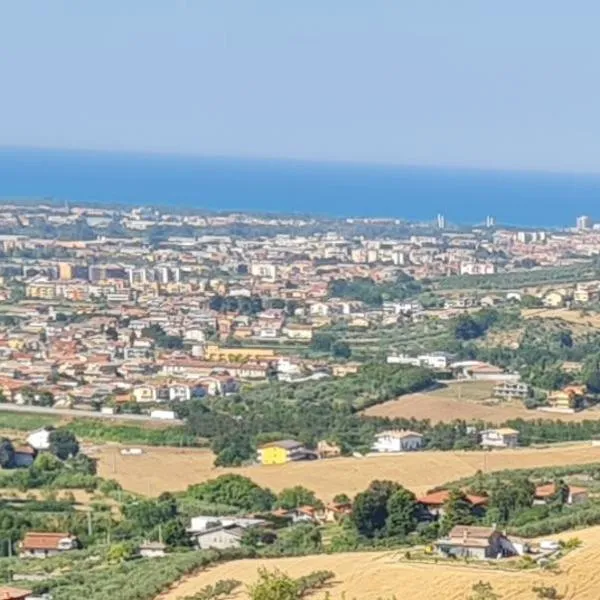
[282, 451]
[435, 502]
[500, 438]
[220, 538]
[544, 493]
[43, 545]
[397, 441]
[475, 542]
[204, 523]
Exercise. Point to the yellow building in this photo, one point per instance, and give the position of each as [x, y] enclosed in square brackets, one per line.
[65, 271]
[569, 398]
[214, 352]
[281, 452]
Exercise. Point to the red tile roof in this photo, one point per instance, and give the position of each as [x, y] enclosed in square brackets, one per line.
[441, 497]
[11, 593]
[544, 491]
[42, 541]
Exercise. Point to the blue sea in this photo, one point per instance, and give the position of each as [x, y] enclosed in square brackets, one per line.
[464, 196]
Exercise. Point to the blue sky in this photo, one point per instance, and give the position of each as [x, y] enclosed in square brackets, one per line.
[511, 84]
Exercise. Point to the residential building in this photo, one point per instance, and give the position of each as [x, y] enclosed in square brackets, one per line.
[44, 545]
[220, 538]
[40, 439]
[152, 550]
[553, 300]
[510, 390]
[205, 522]
[397, 441]
[584, 222]
[282, 451]
[144, 394]
[569, 399]
[435, 502]
[479, 543]
[500, 438]
[575, 495]
[326, 449]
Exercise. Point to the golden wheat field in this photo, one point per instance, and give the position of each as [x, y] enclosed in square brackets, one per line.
[169, 469]
[445, 407]
[369, 576]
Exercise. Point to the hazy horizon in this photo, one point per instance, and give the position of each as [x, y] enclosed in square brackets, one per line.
[464, 85]
[299, 160]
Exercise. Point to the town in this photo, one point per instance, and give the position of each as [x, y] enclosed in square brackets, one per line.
[193, 389]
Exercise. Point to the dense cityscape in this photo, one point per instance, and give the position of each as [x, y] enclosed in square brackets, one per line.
[203, 388]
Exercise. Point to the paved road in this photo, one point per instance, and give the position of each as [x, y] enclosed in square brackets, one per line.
[67, 412]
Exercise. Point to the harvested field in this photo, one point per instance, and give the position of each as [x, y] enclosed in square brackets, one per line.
[470, 401]
[573, 317]
[169, 469]
[369, 576]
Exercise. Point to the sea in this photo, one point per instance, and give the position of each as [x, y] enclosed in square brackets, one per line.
[463, 196]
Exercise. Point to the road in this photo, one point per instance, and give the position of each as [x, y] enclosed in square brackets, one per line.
[82, 414]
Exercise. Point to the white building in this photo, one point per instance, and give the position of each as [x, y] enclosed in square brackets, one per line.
[500, 438]
[397, 441]
[40, 439]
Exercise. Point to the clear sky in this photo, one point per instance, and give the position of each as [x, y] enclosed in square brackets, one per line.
[510, 83]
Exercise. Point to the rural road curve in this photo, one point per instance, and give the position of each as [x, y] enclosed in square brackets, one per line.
[67, 412]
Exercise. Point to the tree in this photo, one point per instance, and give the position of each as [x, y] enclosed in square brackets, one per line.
[561, 494]
[370, 510]
[148, 514]
[402, 513]
[457, 511]
[322, 342]
[544, 592]
[302, 538]
[112, 334]
[47, 463]
[277, 303]
[274, 585]
[232, 451]
[175, 534]
[119, 553]
[509, 495]
[341, 349]
[45, 398]
[63, 443]
[297, 496]
[341, 499]
[234, 490]
[592, 381]
[7, 453]
[467, 328]
[483, 591]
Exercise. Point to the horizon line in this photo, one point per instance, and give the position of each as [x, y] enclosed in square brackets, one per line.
[303, 160]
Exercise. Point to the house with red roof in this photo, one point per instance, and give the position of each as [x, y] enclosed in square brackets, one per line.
[46, 544]
[436, 501]
[575, 495]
